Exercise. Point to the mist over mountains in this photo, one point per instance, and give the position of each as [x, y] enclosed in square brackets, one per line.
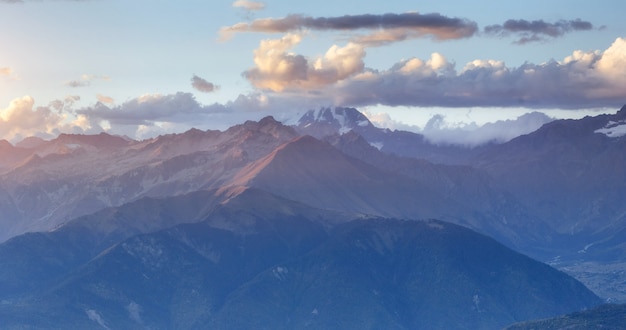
[312, 225]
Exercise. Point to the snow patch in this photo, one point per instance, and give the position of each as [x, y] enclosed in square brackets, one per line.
[613, 129]
[343, 122]
[377, 145]
[476, 300]
[343, 130]
[134, 311]
[584, 250]
[147, 251]
[280, 273]
[96, 317]
[435, 225]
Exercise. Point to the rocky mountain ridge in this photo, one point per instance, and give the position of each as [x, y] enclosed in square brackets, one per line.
[554, 194]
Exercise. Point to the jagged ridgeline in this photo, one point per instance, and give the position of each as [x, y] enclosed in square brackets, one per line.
[324, 224]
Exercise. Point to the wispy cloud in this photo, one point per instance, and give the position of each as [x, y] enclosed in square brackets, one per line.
[538, 30]
[434, 25]
[202, 85]
[105, 99]
[249, 5]
[8, 73]
[86, 80]
[96, 317]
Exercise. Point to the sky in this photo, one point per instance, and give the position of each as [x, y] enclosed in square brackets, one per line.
[452, 70]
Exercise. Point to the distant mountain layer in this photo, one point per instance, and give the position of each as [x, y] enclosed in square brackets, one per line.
[260, 261]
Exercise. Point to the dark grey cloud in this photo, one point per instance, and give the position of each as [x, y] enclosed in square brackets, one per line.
[202, 85]
[436, 25]
[538, 30]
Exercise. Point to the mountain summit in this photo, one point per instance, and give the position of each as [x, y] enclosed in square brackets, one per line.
[329, 121]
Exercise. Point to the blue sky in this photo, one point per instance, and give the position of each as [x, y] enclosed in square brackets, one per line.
[143, 68]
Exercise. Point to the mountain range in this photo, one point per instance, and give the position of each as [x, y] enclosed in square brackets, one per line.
[279, 263]
[273, 221]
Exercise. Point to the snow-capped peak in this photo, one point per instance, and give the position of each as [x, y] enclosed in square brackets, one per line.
[341, 120]
[613, 129]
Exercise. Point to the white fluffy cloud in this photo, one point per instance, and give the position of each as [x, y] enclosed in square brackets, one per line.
[22, 119]
[278, 69]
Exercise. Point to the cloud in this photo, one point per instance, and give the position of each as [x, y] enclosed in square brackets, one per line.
[203, 85]
[439, 131]
[8, 73]
[249, 5]
[22, 119]
[405, 25]
[384, 120]
[539, 30]
[277, 69]
[144, 117]
[147, 109]
[154, 114]
[105, 99]
[582, 80]
[86, 80]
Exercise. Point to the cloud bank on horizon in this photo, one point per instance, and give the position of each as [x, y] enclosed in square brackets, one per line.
[281, 78]
[584, 79]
